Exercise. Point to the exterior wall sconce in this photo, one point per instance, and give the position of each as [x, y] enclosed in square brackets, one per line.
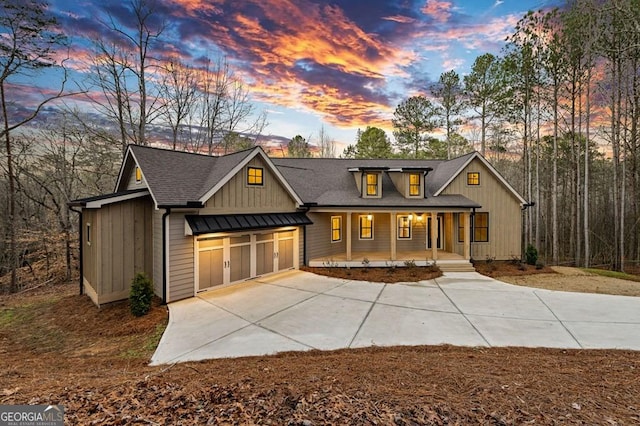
[369, 216]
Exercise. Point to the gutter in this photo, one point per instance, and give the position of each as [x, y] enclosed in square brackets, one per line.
[80, 236]
[166, 213]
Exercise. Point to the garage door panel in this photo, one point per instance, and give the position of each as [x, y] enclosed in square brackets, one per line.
[285, 254]
[211, 268]
[264, 258]
[240, 264]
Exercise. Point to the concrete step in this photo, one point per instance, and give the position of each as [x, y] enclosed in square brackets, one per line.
[456, 266]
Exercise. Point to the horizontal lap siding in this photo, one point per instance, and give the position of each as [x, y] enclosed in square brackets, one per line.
[181, 255]
[418, 239]
[319, 243]
[504, 213]
[381, 234]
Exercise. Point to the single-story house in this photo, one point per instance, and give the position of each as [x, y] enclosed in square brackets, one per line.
[193, 222]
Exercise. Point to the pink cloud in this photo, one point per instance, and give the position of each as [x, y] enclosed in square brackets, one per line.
[438, 10]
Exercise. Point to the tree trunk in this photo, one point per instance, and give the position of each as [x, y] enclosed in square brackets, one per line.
[13, 286]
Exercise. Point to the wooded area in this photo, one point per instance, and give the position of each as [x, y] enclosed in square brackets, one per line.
[557, 112]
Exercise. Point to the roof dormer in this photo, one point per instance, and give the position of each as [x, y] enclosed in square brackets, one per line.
[410, 181]
[369, 181]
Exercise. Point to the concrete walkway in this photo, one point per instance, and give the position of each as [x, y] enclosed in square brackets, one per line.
[297, 311]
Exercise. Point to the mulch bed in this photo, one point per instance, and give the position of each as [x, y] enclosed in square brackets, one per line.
[380, 275]
[57, 347]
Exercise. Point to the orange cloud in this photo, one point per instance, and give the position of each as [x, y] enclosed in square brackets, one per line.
[438, 10]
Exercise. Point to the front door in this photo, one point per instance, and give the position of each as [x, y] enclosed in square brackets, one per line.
[440, 224]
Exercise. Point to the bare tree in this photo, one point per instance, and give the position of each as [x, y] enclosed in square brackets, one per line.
[123, 68]
[326, 145]
[29, 38]
[178, 88]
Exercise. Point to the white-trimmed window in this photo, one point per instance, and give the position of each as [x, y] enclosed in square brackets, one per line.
[371, 182]
[366, 227]
[404, 227]
[336, 229]
[414, 184]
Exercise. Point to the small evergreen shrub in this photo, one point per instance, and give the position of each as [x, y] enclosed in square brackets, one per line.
[140, 295]
[531, 255]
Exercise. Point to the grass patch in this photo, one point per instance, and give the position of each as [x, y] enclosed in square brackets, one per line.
[147, 346]
[612, 274]
[7, 316]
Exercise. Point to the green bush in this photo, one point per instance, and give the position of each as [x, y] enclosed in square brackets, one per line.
[140, 295]
[531, 255]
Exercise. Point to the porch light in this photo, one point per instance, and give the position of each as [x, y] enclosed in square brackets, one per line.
[419, 217]
[369, 216]
[411, 217]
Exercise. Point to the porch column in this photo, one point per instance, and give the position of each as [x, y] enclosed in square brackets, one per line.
[393, 236]
[466, 217]
[348, 236]
[434, 235]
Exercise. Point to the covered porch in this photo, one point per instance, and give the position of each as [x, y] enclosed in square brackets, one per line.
[394, 238]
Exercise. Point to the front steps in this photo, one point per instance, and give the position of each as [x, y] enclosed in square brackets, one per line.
[455, 266]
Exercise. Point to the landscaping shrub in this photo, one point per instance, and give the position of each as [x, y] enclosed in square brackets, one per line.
[140, 295]
[531, 255]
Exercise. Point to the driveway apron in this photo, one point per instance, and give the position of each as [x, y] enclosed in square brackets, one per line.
[298, 311]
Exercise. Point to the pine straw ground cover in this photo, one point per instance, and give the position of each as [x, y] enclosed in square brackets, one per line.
[57, 347]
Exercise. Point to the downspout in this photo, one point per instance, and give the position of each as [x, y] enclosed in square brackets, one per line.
[166, 213]
[80, 248]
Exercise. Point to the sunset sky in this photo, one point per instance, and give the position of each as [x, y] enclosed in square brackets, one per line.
[345, 64]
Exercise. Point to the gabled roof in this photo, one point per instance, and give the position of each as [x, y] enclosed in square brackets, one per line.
[449, 170]
[176, 178]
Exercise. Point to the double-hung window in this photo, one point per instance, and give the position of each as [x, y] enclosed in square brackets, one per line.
[366, 227]
[414, 184]
[372, 184]
[481, 227]
[404, 227]
[336, 229]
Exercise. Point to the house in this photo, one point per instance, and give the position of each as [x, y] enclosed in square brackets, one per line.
[194, 222]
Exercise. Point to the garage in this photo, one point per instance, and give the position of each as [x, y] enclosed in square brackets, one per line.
[257, 249]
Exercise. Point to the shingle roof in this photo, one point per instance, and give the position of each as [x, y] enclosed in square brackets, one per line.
[177, 178]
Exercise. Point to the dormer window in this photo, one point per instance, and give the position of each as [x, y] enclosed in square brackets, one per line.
[414, 184]
[371, 184]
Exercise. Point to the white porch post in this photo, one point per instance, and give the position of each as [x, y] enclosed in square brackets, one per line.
[466, 217]
[393, 236]
[434, 235]
[348, 236]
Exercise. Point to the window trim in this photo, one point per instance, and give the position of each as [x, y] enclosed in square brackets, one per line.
[409, 227]
[475, 228]
[473, 178]
[371, 185]
[361, 228]
[416, 185]
[255, 176]
[339, 229]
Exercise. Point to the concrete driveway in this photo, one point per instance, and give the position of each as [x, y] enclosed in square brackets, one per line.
[297, 311]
